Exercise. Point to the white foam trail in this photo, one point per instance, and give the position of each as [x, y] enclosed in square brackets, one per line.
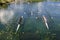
[40, 6]
[17, 27]
[45, 20]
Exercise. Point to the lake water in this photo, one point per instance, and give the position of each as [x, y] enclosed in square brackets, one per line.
[34, 24]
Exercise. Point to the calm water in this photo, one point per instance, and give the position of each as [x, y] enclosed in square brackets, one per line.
[33, 24]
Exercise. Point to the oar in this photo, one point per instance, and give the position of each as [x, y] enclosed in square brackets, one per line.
[18, 28]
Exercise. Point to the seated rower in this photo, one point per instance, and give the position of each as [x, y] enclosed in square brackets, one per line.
[20, 20]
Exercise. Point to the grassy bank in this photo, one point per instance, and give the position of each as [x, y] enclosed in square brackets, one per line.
[6, 1]
[34, 0]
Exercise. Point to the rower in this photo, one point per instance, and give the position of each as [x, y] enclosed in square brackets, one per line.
[20, 20]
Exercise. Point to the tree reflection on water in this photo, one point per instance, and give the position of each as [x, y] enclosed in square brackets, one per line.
[3, 5]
